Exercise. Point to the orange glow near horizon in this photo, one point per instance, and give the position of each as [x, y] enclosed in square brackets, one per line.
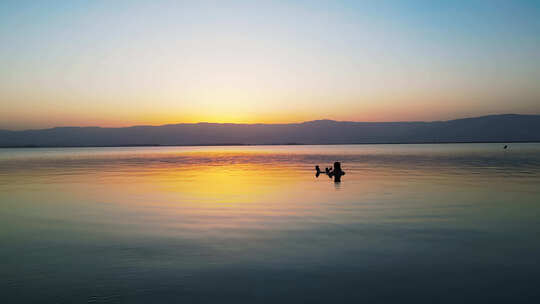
[361, 111]
[274, 62]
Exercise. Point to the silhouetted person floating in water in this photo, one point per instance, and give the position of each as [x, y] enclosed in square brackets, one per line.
[336, 173]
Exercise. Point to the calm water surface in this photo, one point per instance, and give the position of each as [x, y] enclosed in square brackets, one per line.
[408, 223]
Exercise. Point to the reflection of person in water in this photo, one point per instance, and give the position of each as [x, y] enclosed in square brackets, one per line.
[336, 173]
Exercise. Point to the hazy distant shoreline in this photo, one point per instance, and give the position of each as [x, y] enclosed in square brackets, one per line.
[506, 128]
[299, 144]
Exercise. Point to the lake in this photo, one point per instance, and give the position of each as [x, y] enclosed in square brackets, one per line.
[446, 223]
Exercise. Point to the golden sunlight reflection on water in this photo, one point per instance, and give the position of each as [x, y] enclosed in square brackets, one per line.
[184, 216]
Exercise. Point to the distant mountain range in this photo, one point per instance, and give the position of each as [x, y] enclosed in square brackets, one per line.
[493, 128]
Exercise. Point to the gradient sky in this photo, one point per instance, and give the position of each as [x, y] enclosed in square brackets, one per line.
[118, 63]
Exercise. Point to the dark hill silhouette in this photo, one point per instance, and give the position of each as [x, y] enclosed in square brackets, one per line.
[493, 128]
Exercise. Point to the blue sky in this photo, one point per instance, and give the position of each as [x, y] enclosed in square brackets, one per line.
[152, 62]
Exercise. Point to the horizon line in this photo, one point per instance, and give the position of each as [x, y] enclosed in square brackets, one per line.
[262, 123]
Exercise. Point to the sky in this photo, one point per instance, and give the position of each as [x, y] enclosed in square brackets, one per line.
[122, 63]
